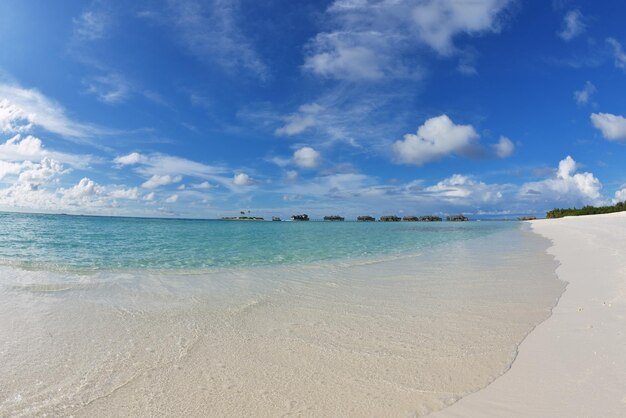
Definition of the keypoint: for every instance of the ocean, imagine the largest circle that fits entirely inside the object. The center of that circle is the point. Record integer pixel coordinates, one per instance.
(105, 316)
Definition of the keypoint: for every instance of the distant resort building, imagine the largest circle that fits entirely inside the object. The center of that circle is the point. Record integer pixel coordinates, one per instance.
(365, 218)
(430, 218)
(389, 218)
(242, 218)
(457, 218)
(526, 218)
(303, 217)
(334, 218)
(276, 219)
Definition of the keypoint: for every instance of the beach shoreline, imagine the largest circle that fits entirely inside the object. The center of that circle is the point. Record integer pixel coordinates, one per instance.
(572, 364)
(393, 336)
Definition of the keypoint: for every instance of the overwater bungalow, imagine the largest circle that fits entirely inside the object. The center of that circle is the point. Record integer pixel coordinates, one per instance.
(410, 219)
(430, 218)
(303, 217)
(276, 219)
(457, 218)
(389, 218)
(334, 218)
(365, 218)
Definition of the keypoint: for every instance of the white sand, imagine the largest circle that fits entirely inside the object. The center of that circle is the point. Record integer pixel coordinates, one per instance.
(573, 364)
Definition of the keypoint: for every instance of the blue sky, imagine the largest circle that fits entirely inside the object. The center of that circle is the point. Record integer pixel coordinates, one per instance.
(201, 108)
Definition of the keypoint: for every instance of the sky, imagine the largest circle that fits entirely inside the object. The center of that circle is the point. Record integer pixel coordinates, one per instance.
(205, 108)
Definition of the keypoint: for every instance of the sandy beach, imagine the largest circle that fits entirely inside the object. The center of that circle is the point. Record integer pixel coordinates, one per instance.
(573, 364)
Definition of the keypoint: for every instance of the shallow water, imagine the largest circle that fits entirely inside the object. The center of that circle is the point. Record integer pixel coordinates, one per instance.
(75, 243)
(404, 333)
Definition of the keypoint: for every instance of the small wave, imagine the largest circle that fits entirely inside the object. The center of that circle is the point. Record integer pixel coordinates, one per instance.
(54, 287)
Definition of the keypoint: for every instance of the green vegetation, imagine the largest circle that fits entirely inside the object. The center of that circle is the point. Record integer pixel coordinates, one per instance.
(586, 210)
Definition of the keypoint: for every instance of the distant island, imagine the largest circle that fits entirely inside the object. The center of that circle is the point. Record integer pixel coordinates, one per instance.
(586, 210)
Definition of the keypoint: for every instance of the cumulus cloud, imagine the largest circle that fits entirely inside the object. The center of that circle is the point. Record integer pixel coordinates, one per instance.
(620, 195)
(172, 199)
(20, 148)
(613, 127)
(436, 138)
(12, 118)
(159, 181)
(131, 193)
(371, 39)
(573, 25)
(242, 179)
(129, 159)
(504, 148)
(583, 96)
(205, 185)
(565, 186)
(306, 157)
(9, 168)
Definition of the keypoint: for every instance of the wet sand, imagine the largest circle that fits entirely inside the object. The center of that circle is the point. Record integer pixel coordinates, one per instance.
(574, 363)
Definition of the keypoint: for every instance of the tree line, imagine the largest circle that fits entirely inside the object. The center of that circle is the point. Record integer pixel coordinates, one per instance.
(586, 210)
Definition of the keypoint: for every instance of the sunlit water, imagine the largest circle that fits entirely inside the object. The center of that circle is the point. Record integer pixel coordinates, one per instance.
(148, 317)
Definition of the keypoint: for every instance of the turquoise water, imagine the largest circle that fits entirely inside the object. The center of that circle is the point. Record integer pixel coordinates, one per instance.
(59, 242)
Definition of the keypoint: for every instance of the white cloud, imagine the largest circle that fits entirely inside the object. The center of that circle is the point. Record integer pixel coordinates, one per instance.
(91, 25)
(620, 196)
(242, 179)
(371, 39)
(110, 88)
(172, 199)
(12, 118)
(19, 148)
(211, 31)
(40, 174)
(149, 197)
(85, 187)
(9, 168)
(573, 25)
(504, 148)
(291, 175)
(306, 157)
(466, 189)
(618, 53)
(439, 21)
(131, 193)
(566, 186)
(436, 138)
(130, 159)
(160, 165)
(21, 108)
(613, 127)
(301, 121)
(205, 185)
(583, 96)
(158, 181)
